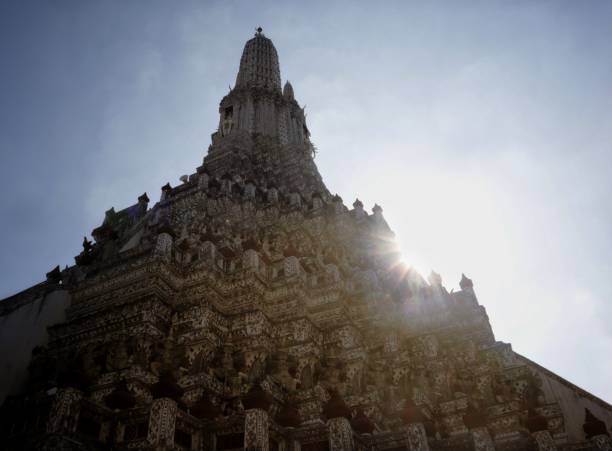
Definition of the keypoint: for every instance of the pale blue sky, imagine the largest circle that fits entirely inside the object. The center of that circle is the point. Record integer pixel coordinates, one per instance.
(483, 128)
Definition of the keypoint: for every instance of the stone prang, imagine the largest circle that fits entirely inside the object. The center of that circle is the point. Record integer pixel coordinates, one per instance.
(250, 308)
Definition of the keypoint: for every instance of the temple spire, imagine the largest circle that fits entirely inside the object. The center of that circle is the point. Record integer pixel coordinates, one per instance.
(259, 64)
(262, 133)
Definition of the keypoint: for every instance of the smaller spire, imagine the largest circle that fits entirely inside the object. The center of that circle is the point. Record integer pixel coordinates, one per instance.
(288, 91)
(465, 283)
(143, 198)
(259, 64)
(379, 219)
(435, 280)
(165, 191)
(55, 275)
(359, 212)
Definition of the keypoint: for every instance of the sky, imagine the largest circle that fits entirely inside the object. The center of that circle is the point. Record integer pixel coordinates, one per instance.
(483, 129)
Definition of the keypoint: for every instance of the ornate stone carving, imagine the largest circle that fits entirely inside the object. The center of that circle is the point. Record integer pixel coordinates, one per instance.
(482, 439)
(545, 441)
(163, 246)
(162, 422)
(65, 411)
(602, 442)
(256, 435)
(340, 434)
(416, 437)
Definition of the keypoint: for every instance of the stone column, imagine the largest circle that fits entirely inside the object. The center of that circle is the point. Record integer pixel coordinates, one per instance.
(293, 445)
(272, 195)
(106, 429)
(340, 434)
(333, 272)
(289, 445)
(203, 182)
(65, 410)
(417, 437)
(250, 260)
(545, 441)
(163, 246)
(291, 266)
(256, 425)
(209, 439)
(162, 421)
(482, 439)
(391, 343)
(249, 190)
(602, 442)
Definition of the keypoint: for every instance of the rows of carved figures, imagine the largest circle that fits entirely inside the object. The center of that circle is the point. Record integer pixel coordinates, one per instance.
(230, 296)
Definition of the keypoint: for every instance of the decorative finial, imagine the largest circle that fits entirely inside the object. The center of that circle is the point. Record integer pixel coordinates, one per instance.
(259, 30)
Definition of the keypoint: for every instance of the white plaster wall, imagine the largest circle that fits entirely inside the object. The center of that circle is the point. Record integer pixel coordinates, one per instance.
(21, 331)
(572, 404)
